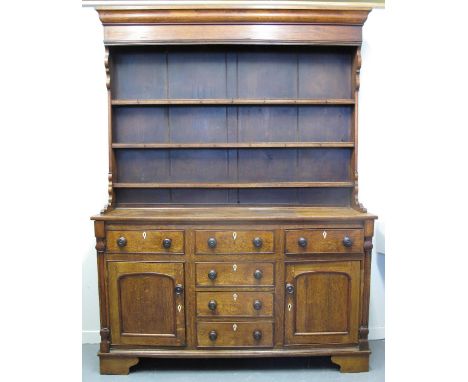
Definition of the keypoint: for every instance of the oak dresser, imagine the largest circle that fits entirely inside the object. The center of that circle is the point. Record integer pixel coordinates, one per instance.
(233, 226)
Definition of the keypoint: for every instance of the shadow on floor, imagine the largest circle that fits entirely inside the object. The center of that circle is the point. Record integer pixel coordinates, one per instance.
(319, 369)
(234, 364)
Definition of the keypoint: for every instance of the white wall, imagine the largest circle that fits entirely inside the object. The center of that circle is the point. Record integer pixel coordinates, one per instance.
(371, 177)
(95, 118)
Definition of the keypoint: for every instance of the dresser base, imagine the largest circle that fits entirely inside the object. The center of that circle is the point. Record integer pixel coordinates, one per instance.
(117, 365)
(118, 362)
(355, 363)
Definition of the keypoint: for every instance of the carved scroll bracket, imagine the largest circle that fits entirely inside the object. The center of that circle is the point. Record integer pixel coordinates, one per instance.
(357, 83)
(356, 204)
(110, 189)
(110, 192)
(358, 63)
(106, 65)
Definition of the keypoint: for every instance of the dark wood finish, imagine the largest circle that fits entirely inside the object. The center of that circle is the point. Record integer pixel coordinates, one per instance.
(230, 214)
(323, 304)
(130, 102)
(235, 334)
(145, 306)
(117, 365)
(146, 241)
(261, 197)
(233, 227)
(235, 353)
(323, 241)
(234, 185)
(100, 234)
(230, 145)
(235, 304)
(303, 34)
(224, 16)
(354, 363)
(234, 242)
(234, 274)
(365, 285)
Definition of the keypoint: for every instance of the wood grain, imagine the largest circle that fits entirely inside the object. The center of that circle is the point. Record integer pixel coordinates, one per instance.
(234, 242)
(233, 124)
(232, 145)
(324, 306)
(233, 185)
(149, 241)
(234, 274)
(235, 334)
(143, 304)
(117, 365)
(352, 363)
(224, 16)
(245, 353)
(230, 214)
(233, 34)
(235, 304)
(323, 241)
(218, 101)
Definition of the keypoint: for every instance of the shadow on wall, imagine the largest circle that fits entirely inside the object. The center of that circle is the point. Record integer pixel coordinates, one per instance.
(380, 248)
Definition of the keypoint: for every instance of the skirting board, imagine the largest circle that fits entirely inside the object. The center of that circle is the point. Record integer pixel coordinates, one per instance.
(92, 336)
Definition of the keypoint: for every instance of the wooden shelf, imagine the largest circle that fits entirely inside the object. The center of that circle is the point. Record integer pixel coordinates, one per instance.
(235, 185)
(232, 145)
(231, 101)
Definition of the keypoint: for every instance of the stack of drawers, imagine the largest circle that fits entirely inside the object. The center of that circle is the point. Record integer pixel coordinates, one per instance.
(234, 288)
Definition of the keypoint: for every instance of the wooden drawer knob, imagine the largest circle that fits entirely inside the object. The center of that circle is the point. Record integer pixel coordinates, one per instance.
(302, 242)
(212, 305)
(212, 274)
(257, 305)
(257, 335)
(213, 335)
(290, 288)
(212, 242)
(167, 243)
(257, 242)
(121, 242)
(347, 242)
(258, 274)
(179, 289)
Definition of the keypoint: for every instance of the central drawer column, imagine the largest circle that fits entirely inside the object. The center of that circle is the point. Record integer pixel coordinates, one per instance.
(235, 288)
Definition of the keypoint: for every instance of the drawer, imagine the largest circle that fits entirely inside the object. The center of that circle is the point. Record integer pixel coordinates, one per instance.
(235, 334)
(209, 242)
(235, 304)
(324, 241)
(234, 274)
(154, 241)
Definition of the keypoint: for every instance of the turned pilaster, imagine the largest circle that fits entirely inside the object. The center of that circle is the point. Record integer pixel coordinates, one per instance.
(99, 231)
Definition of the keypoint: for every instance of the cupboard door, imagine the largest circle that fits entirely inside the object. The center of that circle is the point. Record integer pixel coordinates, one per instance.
(322, 303)
(146, 303)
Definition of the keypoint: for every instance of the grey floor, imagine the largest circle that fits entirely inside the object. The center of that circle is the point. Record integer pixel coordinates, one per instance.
(243, 370)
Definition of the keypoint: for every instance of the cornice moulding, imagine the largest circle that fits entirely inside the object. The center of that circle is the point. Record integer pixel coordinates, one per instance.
(233, 4)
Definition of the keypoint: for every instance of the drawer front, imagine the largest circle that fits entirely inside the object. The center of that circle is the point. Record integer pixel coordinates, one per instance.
(148, 241)
(209, 242)
(234, 304)
(235, 334)
(234, 274)
(324, 241)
